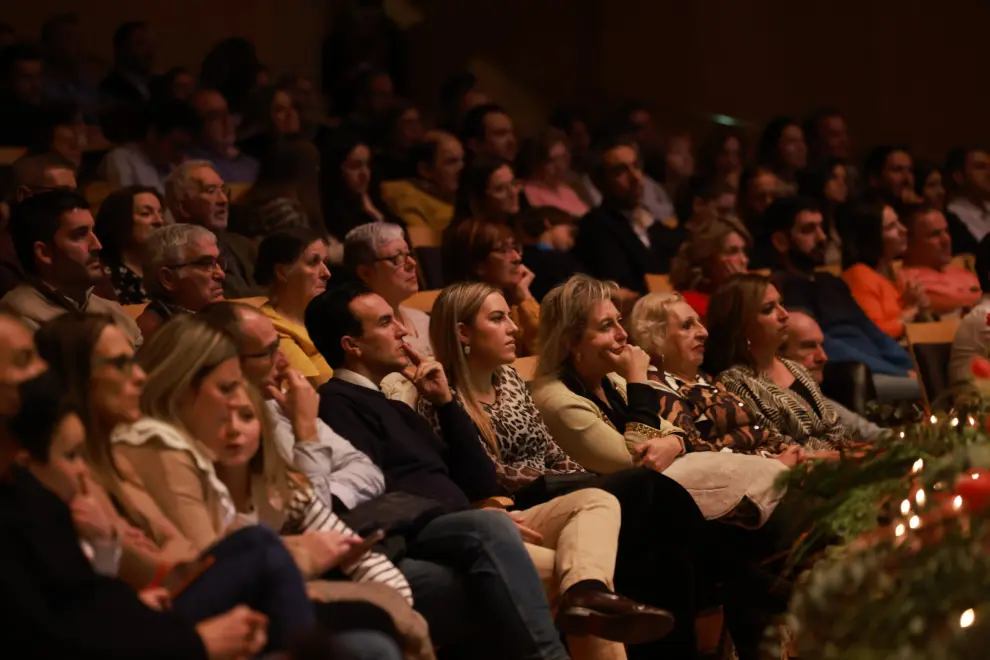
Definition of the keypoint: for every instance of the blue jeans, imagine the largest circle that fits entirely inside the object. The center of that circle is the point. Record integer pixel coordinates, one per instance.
(365, 645)
(253, 568)
(485, 575)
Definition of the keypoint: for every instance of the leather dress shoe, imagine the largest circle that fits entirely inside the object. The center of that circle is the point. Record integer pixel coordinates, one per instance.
(612, 617)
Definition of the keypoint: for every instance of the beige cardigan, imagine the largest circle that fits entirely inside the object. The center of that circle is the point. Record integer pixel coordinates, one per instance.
(584, 433)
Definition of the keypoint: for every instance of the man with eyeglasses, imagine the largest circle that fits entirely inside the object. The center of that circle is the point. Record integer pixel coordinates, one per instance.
(196, 194)
(183, 273)
(53, 237)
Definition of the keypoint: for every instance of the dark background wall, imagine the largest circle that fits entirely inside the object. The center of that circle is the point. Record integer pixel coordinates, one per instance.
(903, 70)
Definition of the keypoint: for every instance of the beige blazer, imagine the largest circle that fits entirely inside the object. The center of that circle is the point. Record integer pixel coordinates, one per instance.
(584, 433)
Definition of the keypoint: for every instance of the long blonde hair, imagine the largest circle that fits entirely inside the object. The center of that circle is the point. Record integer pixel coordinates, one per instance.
(691, 267)
(268, 463)
(460, 303)
(564, 318)
(177, 358)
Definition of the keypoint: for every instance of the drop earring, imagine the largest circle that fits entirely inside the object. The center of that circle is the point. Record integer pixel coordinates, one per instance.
(467, 350)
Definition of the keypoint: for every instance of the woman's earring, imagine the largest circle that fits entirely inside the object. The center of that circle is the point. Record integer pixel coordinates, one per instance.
(749, 346)
(467, 350)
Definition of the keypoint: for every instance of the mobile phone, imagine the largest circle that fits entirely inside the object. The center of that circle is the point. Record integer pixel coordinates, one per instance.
(362, 547)
(182, 575)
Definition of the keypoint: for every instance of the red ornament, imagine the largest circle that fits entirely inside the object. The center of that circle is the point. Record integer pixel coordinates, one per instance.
(974, 487)
(980, 367)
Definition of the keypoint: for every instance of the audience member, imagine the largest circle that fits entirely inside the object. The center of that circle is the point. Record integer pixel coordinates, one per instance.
(827, 136)
(927, 261)
(66, 77)
(795, 229)
(573, 123)
(286, 194)
(196, 194)
(124, 222)
(19, 362)
(805, 346)
(368, 101)
(293, 265)
(545, 165)
(747, 327)
(378, 255)
(357, 333)
(183, 273)
(875, 238)
(782, 149)
(133, 61)
(973, 337)
(621, 240)
(480, 251)
(889, 171)
(721, 157)
(459, 93)
(53, 237)
(678, 163)
(715, 250)
(970, 173)
(548, 237)
(700, 198)
(307, 103)
(349, 187)
(487, 190)
(426, 199)
(217, 140)
(402, 129)
(270, 113)
(930, 182)
(170, 129)
(233, 69)
(61, 132)
(827, 183)
(176, 84)
(21, 93)
(487, 129)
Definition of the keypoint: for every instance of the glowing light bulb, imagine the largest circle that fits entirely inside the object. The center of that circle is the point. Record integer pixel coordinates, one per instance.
(933, 419)
(957, 502)
(899, 530)
(902, 434)
(967, 618)
(971, 421)
(975, 476)
(914, 522)
(919, 497)
(905, 507)
(955, 422)
(918, 466)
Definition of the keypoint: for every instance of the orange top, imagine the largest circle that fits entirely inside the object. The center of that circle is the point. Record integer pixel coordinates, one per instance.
(951, 289)
(879, 297)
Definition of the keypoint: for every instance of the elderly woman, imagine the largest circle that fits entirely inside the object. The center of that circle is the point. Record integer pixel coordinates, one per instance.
(293, 265)
(713, 418)
(715, 250)
(747, 327)
(125, 220)
(183, 272)
(479, 250)
(378, 255)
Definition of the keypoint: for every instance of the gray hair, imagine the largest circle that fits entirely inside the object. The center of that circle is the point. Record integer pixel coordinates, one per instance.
(362, 244)
(648, 320)
(179, 183)
(167, 247)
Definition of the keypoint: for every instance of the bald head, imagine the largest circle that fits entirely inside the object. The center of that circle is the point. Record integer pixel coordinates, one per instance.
(805, 343)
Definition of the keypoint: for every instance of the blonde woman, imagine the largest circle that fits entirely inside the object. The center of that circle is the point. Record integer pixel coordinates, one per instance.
(474, 339)
(715, 250)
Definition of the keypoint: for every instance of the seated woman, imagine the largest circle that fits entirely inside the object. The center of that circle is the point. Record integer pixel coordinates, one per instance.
(487, 190)
(546, 168)
(747, 326)
(474, 339)
(125, 220)
(715, 250)
(292, 264)
(827, 184)
(427, 198)
(713, 419)
(480, 250)
(68, 616)
(548, 236)
(875, 238)
(378, 255)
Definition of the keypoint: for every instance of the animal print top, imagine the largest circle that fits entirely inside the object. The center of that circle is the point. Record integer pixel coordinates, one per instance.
(714, 418)
(526, 451)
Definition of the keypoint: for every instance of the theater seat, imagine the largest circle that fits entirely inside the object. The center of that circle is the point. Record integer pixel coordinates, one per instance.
(849, 383)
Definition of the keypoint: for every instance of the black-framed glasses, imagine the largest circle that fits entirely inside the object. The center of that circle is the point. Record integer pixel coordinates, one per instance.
(266, 354)
(397, 260)
(208, 264)
(122, 363)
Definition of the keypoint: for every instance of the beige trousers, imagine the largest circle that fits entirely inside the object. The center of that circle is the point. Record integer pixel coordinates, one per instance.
(580, 541)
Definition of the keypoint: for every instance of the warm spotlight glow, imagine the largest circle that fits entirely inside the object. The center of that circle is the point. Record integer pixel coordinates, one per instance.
(955, 422)
(967, 618)
(933, 419)
(957, 502)
(914, 522)
(905, 507)
(971, 421)
(919, 497)
(899, 530)
(918, 466)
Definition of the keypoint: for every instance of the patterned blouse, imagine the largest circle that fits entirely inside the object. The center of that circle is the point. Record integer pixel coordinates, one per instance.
(127, 284)
(526, 451)
(814, 425)
(713, 418)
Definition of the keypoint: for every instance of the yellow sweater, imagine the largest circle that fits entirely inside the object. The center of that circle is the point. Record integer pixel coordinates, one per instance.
(298, 348)
(415, 206)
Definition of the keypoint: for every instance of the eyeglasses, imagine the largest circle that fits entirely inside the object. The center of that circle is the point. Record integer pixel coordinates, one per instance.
(397, 260)
(122, 363)
(266, 354)
(213, 189)
(207, 265)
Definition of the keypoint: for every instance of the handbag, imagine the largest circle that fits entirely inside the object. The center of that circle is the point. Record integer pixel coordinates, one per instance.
(396, 513)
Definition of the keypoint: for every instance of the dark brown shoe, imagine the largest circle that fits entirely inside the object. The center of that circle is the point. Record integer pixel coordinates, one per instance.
(612, 617)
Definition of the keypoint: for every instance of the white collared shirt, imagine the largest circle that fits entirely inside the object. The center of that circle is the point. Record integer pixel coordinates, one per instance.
(355, 378)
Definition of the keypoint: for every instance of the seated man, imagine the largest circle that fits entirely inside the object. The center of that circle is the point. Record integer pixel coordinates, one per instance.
(794, 226)
(217, 139)
(53, 237)
(950, 289)
(442, 560)
(972, 338)
(183, 272)
(196, 194)
(805, 345)
(427, 200)
(358, 334)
